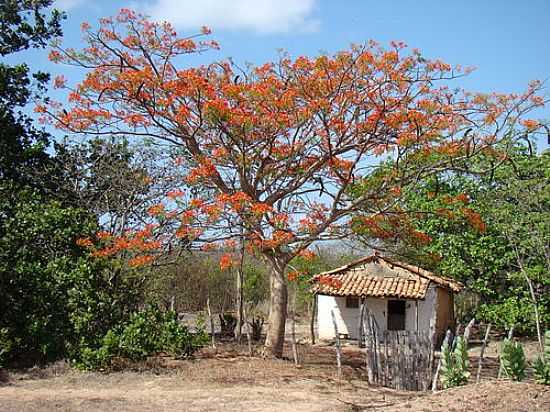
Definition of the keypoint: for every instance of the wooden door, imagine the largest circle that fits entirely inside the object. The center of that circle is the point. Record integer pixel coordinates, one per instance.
(396, 314)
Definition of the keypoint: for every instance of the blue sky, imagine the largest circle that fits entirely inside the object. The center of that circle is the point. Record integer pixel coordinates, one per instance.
(508, 41)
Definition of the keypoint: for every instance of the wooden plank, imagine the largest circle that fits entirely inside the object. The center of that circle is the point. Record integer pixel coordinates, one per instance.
(416, 314)
(468, 330)
(361, 319)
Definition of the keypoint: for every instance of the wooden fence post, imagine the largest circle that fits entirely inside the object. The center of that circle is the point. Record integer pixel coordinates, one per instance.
(361, 318)
(338, 349)
(468, 330)
(367, 328)
(312, 320)
(211, 319)
(482, 352)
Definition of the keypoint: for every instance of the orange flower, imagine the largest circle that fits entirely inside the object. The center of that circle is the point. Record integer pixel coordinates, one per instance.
(226, 261)
(530, 124)
(156, 210)
(293, 275)
(141, 260)
(260, 208)
(475, 220)
(103, 235)
(84, 242)
(307, 254)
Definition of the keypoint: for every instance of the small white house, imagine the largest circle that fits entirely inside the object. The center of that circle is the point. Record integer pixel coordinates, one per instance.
(398, 295)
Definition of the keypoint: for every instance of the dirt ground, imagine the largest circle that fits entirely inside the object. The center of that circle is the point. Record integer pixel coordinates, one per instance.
(228, 380)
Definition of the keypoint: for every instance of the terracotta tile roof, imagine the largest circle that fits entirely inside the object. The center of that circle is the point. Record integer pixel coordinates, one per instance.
(377, 276)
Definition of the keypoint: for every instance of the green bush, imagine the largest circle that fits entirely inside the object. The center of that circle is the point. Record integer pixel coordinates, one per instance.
(512, 360)
(515, 310)
(146, 333)
(541, 365)
(454, 364)
(39, 265)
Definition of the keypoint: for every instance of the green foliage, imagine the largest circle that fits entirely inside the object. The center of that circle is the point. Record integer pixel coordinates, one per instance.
(541, 365)
(256, 284)
(454, 363)
(146, 333)
(512, 359)
(24, 25)
(514, 310)
(489, 231)
(39, 266)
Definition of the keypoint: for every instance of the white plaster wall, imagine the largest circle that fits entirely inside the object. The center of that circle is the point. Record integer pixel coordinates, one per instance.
(347, 319)
(426, 308)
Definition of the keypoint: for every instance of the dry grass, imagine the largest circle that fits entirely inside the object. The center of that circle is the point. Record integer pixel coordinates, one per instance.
(228, 380)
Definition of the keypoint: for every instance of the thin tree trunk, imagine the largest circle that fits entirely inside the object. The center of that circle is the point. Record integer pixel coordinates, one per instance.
(248, 337)
(211, 319)
(293, 328)
(533, 296)
(275, 338)
(240, 293)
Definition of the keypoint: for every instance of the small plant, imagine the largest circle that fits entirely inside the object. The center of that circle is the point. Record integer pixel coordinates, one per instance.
(454, 364)
(6, 345)
(512, 360)
(228, 322)
(147, 333)
(541, 365)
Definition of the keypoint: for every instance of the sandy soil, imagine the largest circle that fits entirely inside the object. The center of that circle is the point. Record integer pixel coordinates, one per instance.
(227, 380)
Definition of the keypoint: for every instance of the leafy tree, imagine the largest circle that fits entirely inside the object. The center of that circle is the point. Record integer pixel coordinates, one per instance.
(116, 180)
(22, 155)
(488, 231)
(23, 24)
(277, 148)
(51, 293)
(38, 268)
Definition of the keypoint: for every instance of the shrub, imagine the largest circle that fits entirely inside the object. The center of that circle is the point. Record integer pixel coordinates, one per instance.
(146, 333)
(541, 365)
(512, 360)
(454, 364)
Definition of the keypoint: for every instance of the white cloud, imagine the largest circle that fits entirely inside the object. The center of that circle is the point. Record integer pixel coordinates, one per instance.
(263, 16)
(65, 5)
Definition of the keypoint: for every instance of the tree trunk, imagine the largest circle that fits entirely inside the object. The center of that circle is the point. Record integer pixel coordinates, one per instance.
(240, 293)
(275, 339)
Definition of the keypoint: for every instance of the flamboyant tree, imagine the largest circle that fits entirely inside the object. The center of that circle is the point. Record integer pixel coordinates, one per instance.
(276, 151)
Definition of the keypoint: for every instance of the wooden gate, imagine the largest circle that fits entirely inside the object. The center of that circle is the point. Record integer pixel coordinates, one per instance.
(397, 359)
